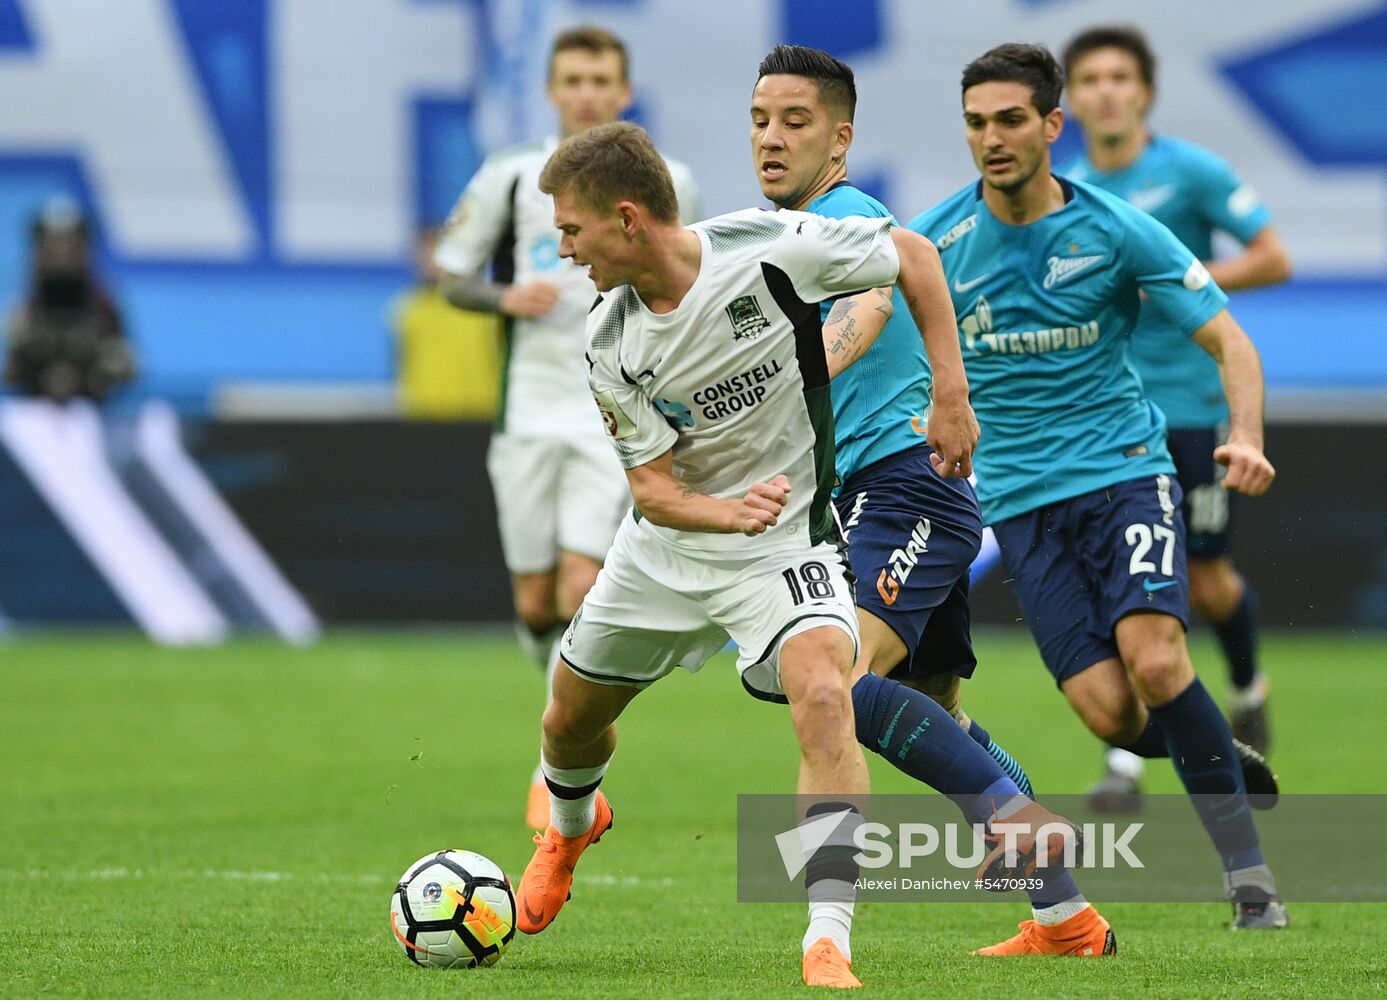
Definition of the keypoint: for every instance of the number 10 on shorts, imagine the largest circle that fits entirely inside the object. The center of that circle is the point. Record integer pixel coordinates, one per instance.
(1143, 538)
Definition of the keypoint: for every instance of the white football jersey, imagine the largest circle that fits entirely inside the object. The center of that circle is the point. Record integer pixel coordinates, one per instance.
(504, 216)
(734, 379)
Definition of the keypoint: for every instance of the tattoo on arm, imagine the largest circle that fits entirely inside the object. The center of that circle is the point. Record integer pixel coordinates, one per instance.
(843, 326)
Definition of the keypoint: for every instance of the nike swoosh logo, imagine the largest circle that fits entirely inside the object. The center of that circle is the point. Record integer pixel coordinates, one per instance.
(534, 918)
(885, 741)
(963, 286)
(1151, 588)
(1150, 199)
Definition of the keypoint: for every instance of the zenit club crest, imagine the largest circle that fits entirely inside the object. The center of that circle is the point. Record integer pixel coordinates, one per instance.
(747, 318)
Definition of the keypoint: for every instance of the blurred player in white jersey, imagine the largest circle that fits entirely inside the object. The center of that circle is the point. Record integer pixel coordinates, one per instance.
(707, 361)
(559, 492)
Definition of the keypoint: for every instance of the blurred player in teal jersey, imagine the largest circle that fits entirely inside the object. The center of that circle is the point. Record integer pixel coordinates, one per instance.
(1112, 78)
(911, 532)
(1074, 476)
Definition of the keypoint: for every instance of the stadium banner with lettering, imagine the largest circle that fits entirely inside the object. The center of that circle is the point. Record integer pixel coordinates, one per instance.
(256, 171)
(922, 849)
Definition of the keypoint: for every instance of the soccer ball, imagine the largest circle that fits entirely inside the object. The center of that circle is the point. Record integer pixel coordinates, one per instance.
(453, 910)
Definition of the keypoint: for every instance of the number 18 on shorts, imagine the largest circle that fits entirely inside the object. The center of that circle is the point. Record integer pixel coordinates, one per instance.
(656, 607)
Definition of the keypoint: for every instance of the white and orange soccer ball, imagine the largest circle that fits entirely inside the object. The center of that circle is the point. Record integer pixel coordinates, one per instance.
(453, 910)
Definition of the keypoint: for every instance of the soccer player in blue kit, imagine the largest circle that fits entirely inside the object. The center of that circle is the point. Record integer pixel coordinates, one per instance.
(1073, 471)
(1111, 75)
(911, 532)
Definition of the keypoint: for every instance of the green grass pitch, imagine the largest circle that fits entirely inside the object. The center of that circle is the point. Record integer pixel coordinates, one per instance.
(230, 822)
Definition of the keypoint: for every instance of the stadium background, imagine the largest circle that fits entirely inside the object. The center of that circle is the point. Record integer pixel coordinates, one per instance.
(257, 182)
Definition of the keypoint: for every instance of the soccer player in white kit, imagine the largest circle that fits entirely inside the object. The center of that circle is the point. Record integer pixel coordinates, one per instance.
(706, 359)
(559, 492)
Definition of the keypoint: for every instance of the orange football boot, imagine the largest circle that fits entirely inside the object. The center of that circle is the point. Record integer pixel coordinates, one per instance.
(1086, 934)
(537, 806)
(824, 965)
(544, 887)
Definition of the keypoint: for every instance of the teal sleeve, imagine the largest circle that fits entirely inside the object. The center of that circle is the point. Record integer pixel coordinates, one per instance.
(1176, 283)
(1227, 203)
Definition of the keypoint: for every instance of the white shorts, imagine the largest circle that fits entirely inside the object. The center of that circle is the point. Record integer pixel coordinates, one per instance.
(653, 609)
(555, 493)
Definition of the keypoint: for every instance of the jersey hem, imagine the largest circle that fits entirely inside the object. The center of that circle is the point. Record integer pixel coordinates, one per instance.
(996, 512)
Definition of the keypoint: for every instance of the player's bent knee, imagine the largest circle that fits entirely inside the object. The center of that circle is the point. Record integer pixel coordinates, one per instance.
(1215, 587)
(1159, 671)
(1115, 728)
(822, 715)
(1102, 697)
(533, 595)
(570, 723)
(576, 576)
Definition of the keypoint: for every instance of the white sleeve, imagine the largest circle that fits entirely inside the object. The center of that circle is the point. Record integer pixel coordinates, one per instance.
(828, 257)
(469, 237)
(686, 191)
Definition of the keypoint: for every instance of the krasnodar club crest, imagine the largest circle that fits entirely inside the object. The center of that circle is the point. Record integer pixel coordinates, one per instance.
(747, 318)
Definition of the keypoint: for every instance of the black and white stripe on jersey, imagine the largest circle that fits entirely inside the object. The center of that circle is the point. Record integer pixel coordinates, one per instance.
(607, 335)
(813, 368)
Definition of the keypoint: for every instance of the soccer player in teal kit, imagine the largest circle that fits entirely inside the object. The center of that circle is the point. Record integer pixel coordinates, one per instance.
(1073, 471)
(1111, 75)
(911, 532)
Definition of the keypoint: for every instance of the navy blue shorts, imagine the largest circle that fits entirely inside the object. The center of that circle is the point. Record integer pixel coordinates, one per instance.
(911, 537)
(1208, 506)
(1081, 565)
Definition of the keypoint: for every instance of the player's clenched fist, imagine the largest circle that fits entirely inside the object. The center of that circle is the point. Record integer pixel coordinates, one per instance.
(761, 506)
(1248, 469)
(953, 434)
(530, 300)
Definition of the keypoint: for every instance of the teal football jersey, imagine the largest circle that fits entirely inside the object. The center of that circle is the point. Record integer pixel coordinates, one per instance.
(1194, 194)
(879, 401)
(1046, 313)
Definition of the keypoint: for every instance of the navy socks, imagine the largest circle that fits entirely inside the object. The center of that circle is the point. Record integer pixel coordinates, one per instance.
(1201, 748)
(1237, 634)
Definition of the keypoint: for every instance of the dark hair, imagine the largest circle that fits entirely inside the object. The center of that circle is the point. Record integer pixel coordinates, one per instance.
(593, 40)
(833, 76)
(1113, 36)
(1017, 62)
(609, 163)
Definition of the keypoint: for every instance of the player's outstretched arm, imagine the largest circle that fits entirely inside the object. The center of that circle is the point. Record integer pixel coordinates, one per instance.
(953, 430)
(664, 499)
(1241, 371)
(853, 325)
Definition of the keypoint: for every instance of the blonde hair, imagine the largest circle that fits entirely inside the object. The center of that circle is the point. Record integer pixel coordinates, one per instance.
(612, 163)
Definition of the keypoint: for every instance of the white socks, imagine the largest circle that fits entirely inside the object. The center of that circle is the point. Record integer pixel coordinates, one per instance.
(573, 817)
(1125, 763)
(832, 920)
(1060, 912)
(1250, 697)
